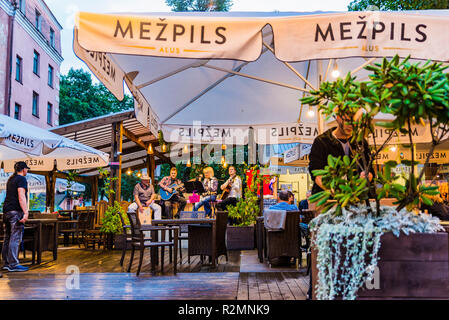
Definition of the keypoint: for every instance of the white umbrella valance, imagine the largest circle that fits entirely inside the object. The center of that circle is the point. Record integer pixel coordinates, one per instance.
(36, 183)
(297, 36)
(40, 149)
(236, 70)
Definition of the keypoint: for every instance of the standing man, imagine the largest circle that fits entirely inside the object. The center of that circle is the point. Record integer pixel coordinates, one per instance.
(165, 184)
(210, 185)
(335, 142)
(234, 185)
(144, 196)
(15, 215)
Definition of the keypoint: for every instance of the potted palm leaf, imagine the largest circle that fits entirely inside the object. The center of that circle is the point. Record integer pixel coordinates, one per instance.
(363, 249)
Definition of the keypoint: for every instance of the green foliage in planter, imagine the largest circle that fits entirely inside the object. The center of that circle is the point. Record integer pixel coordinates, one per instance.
(111, 222)
(246, 210)
(343, 184)
(412, 94)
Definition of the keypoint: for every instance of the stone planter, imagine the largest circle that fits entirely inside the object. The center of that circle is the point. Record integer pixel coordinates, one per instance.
(410, 267)
(240, 238)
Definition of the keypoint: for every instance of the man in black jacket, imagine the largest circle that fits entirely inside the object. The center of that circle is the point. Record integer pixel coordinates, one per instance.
(335, 142)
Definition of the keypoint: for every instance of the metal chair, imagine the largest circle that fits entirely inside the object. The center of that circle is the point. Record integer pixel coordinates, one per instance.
(139, 242)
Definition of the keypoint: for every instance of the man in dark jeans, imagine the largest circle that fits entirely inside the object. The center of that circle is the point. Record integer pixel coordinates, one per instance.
(335, 142)
(15, 214)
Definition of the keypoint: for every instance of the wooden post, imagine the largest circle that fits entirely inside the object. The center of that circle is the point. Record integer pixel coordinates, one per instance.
(50, 182)
(94, 185)
(116, 156)
(151, 165)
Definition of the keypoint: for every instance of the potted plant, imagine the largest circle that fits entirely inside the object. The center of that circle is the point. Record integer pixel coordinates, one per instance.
(357, 240)
(112, 224)
(240, 236)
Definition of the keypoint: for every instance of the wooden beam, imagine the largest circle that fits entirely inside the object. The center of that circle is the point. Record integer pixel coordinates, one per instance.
(93, 123)
(50, 182)
(95, 190)
(131, 136)
(116, 156)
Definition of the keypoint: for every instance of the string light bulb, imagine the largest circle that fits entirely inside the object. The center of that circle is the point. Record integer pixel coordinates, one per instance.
(393, 149)
(188, 164)
(310, 113)
(128, 172)
(225, 164)
(150, 149)
(223, 147)
(164, 148)
(335, 73)
(139, 174)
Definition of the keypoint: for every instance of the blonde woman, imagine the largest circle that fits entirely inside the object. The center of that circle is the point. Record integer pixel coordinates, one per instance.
(210, 185)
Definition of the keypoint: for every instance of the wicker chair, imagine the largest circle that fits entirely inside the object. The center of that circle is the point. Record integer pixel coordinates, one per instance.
(284, 243)
(183, 230)
(92, 235)
(138, 241)
(79, 226)
(200, 238)
(304, 237)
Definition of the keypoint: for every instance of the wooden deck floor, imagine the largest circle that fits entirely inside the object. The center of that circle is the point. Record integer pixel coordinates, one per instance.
(101, 277)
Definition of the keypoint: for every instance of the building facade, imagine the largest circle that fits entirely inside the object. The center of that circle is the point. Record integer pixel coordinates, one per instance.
(30, 60)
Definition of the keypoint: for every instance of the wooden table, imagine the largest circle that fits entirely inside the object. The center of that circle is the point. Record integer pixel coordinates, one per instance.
(178, 222)
(45, 245)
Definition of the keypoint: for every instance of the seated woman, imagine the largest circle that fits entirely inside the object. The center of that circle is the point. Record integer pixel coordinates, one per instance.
(210, 184)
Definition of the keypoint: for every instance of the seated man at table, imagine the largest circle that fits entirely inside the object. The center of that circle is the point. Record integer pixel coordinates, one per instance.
(283, 203)
(144, 196)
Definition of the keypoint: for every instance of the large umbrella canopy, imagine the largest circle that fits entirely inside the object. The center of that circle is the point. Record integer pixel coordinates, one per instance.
(209, 77)
(39, 148)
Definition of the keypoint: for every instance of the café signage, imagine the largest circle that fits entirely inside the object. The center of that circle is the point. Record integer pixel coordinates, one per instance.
(35, 164)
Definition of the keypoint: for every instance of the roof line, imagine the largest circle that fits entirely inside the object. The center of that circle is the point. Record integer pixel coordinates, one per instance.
(94, 122)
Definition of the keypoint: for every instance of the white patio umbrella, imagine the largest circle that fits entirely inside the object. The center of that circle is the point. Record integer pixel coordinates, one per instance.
(36, 183)
(210, 76)
(39, 148)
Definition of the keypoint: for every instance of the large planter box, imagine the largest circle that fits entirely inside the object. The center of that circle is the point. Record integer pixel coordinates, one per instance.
(410, 267)
(240, 238)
